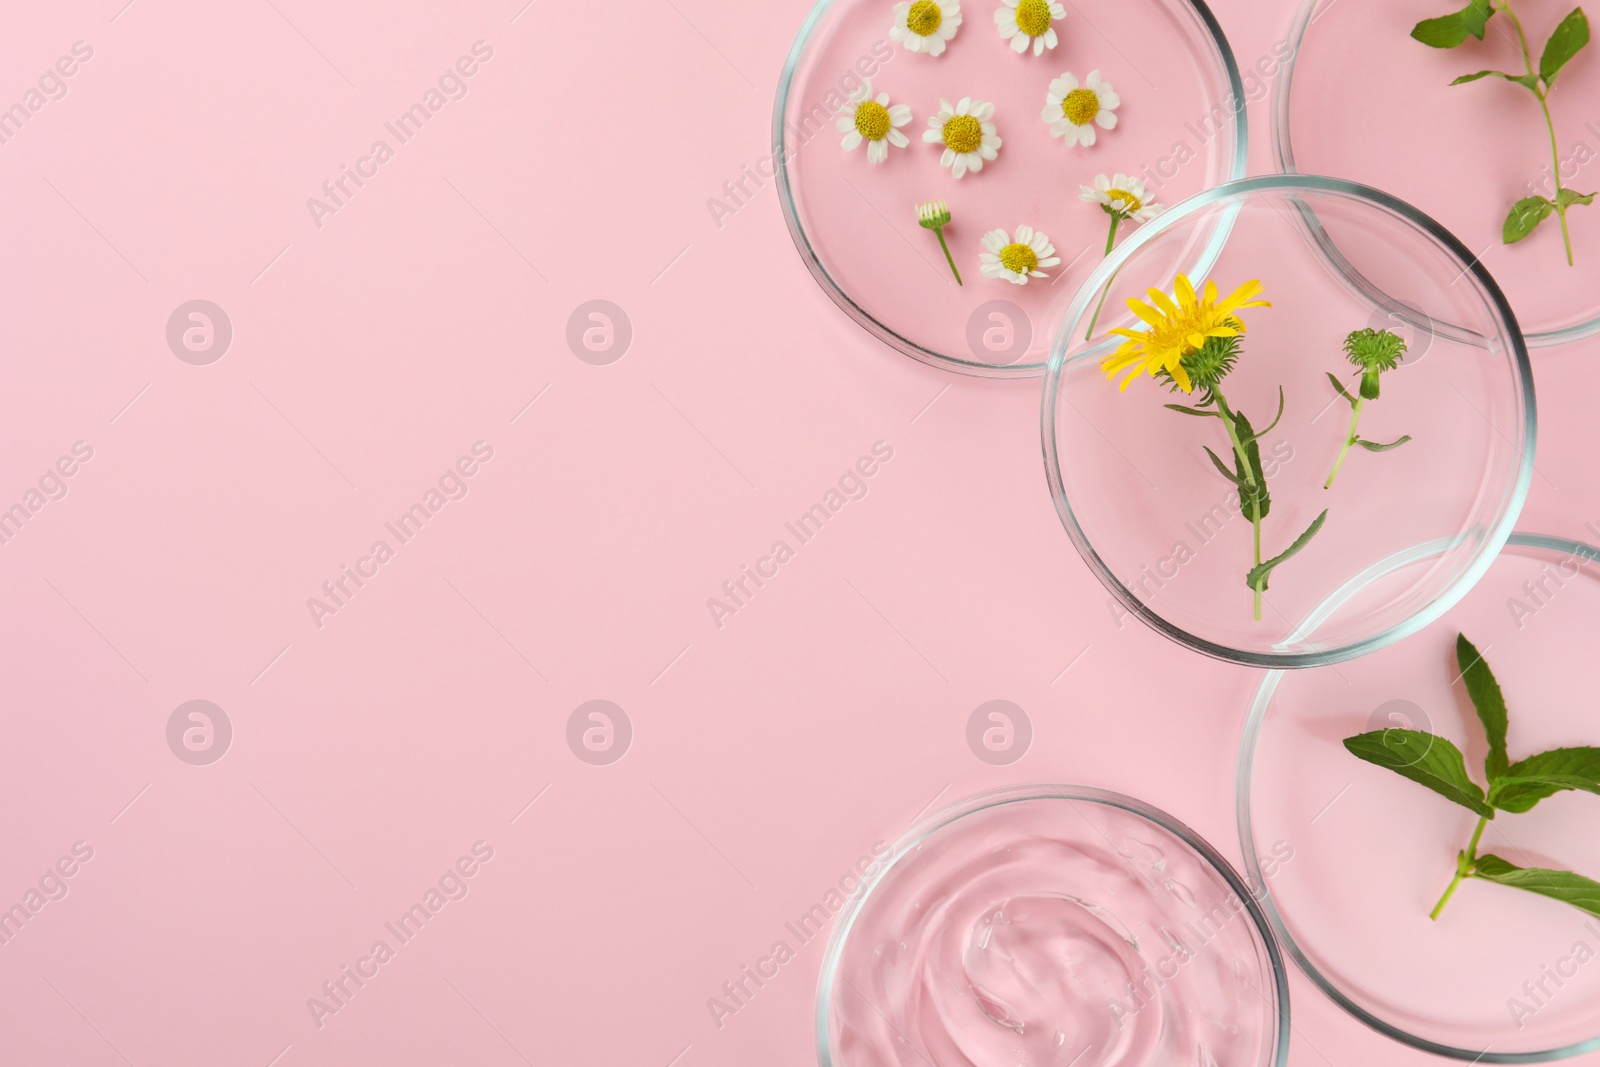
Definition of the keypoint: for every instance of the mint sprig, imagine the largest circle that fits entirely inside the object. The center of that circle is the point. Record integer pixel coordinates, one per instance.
(1565, 42)
(1435, 762)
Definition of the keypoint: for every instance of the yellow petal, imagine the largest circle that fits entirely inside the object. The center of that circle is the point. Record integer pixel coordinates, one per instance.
(1211, 291)
(1184, 289)
(1145, 311)
(1164, 302)
(1180, 376)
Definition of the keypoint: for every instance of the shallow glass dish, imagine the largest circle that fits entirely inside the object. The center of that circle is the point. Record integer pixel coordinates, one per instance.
(1357, 98)
(1162, 528)
(1051, 926)
(1180, 129)
(1503, 976)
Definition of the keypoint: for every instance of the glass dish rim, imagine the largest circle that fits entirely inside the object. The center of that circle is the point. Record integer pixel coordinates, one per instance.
(992, 798)
(1243, 779)
(974, 368)
(1150, 231)
(1283, 156)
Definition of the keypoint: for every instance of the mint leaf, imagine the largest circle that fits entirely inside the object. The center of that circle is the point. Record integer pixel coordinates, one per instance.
(1475, 16)
(1527, 81)
(1373, 446)
(1340, 389)
(1425, 759)
(1529, 781)
(1258, 575)
(1446, 31)
(1490, 704)
(1564, 43)
(1567, 197)
(1582, 893)
(1525, 214)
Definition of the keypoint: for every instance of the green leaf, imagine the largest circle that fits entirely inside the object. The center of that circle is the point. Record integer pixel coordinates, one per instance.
(1485, 694)
(1476, 17)
(1373, 446)
(1525, 215)
(1527, 81)
(1529, 781)
(1564, 43)
(1258, 575)
(1567, 197)
(1226, 473)
(1582, 893)
(1446, 31)
(1254, 500)
(1253, 438)
(1425, 759)
(1192, 411)
(1340, 389)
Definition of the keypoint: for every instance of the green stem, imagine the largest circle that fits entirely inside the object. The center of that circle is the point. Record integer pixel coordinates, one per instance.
(1465, 863)
(947, 257)
(1549, 125)
(1249, 477)
(1349, 439)
(1110, 242)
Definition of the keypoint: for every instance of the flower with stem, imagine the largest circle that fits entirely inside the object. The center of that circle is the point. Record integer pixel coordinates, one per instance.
(1372, 352)
(1568, 38)
(935, 216)
(1191, 342)
(875, 121)
(1017, 261)
(1125, 199)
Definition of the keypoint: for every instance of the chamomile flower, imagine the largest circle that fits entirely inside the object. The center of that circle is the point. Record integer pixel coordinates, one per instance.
(1017, 261)
(967, 133)
(925, 25)
(1073, 111)
(1122, 197)
(874, 121)
(1025, 22)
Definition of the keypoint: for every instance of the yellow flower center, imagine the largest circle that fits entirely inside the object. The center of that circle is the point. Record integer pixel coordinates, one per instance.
(872, 120)
(1033, 17)
(963, 133)
(1081, 106)
(1018, 258)
(1130, 203)
(924, 17)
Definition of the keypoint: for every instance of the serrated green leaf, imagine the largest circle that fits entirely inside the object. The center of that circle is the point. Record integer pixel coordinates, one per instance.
(1446, 31)
(1254, 500)
(1565, 42)
(1529, 781)
(1263, 570)
(1339, 388)
(1569, 888)
(1567, 197)
(1192, 411)
(1487, 699)
(1525, 214)
(1425, 759)
(1373, 446)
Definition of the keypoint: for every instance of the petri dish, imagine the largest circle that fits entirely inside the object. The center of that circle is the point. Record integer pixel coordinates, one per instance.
(1051, 925)
(1165, 531)
(1358, 98)
(1503, 975)
(1180, 129)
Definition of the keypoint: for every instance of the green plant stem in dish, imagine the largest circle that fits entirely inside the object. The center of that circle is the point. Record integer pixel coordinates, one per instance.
(1371, 352)
(1565, 41)
(1436, 762)
(1111, 240)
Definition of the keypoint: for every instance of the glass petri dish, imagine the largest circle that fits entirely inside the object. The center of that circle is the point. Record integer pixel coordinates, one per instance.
(1164, 531)
(1181, 129)
(1500, 977)
(1051, 925)
(1357, 98)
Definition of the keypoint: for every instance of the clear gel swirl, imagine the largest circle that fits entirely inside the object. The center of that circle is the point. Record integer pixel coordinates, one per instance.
(1053, 933)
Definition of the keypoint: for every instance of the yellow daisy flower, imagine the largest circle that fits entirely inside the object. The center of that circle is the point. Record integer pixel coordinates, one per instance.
(1175, 328)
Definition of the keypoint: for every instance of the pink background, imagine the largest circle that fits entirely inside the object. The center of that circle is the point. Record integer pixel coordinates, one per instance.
(429, 712)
